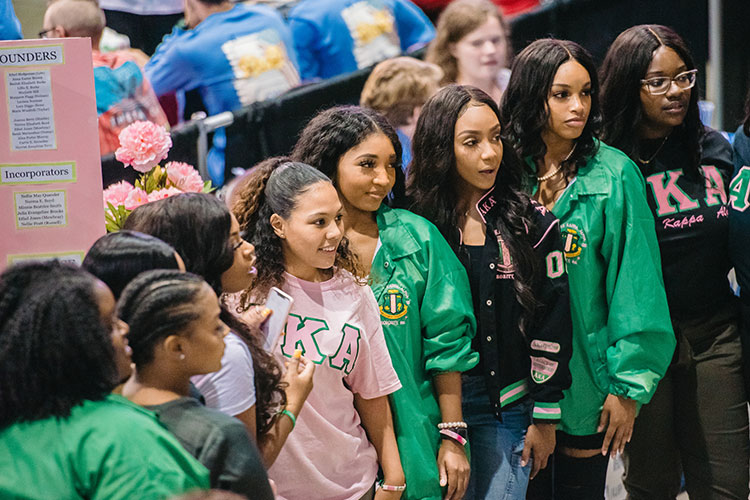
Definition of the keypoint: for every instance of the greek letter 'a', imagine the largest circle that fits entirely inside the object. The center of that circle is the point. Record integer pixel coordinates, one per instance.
(302, 333)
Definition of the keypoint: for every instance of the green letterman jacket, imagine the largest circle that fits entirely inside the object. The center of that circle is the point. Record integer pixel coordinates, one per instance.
(622, 333)
(428, 320)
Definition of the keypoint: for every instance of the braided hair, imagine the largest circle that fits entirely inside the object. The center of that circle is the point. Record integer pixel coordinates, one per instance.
(157, 304)
(55, 349)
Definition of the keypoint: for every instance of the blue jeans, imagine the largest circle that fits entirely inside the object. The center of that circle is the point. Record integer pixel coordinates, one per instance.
(496, 447)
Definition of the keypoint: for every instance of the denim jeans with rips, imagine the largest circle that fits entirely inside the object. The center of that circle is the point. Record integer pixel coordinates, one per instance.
(496, 447)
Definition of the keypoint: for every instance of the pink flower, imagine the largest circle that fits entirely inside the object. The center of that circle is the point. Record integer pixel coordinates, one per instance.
(117, 193)
(184, 177)
(143, 145)
(136, 198)
(161, 194)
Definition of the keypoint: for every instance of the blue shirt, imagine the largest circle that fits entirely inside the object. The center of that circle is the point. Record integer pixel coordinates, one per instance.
(739, 235)
(405, 150)
(340, 36)
(739, 215)
(234, 58)
(10, 27)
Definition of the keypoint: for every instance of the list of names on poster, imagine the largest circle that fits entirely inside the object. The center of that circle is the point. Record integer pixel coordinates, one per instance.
(32, 121)
(40, 209)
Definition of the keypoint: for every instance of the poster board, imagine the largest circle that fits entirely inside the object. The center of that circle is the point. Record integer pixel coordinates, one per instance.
(50, 169)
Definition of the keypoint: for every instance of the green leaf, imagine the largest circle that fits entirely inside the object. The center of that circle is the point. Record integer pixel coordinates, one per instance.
(114, 217)
(208, 187)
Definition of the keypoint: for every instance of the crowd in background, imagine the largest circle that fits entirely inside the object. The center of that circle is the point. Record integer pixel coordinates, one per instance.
(503, 269)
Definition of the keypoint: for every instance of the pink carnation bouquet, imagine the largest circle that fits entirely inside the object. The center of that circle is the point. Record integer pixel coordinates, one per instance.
(143, 145)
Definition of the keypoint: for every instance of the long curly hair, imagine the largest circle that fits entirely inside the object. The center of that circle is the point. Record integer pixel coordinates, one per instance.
(273, 187)
(625, 65)
(460, 18)
(198, 226)
(433, 186)
(524, 111)
(55, 350)
(333, 132)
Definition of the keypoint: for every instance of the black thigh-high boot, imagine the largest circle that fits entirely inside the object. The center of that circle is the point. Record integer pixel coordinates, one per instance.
(580, 478)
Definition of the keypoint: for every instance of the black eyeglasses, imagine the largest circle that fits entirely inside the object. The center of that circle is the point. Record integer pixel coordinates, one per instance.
(43, 33)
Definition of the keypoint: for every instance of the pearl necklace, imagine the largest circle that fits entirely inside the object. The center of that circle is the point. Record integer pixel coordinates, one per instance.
(547, 177)
(550, 175)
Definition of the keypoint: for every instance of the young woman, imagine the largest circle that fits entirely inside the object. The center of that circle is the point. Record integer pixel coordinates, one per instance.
(62, 434)
(741, 143)
(421, 289)
(247, 386)
(622, 337)
(463, 182)
(697, 421)
(739, 230)
(176, 333)
(117, 258)
(345, 427)
(472, 46)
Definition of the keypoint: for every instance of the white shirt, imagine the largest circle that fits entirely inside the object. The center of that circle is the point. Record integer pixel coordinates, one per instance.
(231, 390)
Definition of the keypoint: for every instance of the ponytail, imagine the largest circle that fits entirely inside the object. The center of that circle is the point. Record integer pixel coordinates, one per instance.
(272, 187)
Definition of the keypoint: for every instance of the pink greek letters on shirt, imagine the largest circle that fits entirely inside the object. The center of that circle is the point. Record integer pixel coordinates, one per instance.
(665, 189)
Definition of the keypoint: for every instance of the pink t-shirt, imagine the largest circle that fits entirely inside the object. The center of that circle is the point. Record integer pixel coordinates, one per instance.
(336, 324)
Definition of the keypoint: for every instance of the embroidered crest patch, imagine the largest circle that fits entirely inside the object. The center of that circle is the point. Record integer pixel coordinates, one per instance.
(574, 242)
(395, 303)
(542, 369)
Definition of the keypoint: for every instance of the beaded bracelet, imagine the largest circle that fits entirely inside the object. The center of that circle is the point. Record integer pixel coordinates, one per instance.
(454, 436)
(290, 415)
(390, 487)
(452, 425)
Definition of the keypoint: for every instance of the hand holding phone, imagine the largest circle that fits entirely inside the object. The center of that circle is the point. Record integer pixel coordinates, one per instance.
(280, 303)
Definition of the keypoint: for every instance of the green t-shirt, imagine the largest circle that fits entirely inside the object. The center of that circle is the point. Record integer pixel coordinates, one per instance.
(108, 449)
